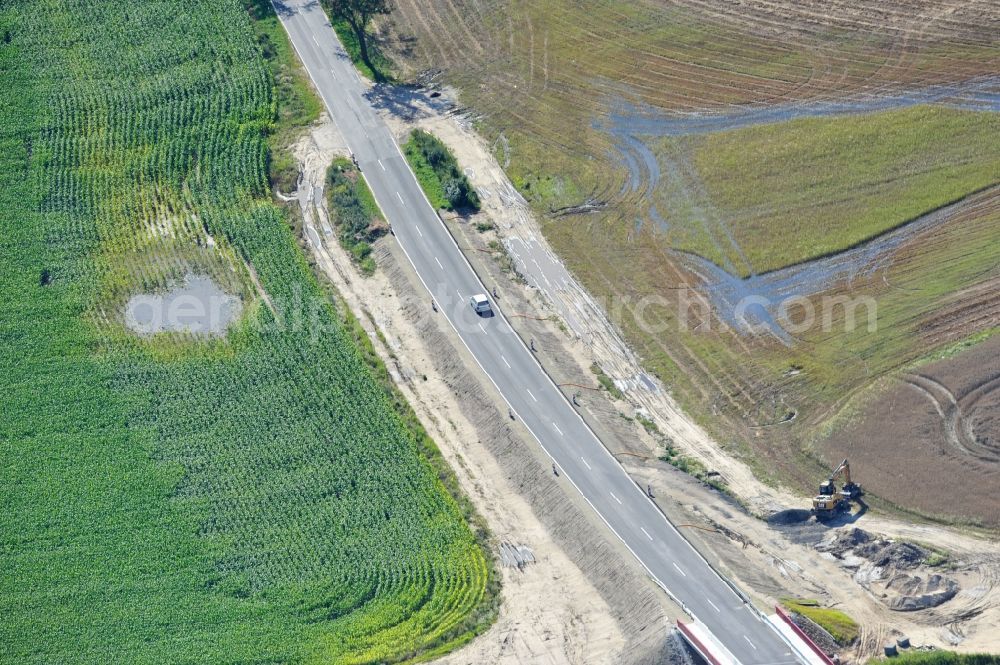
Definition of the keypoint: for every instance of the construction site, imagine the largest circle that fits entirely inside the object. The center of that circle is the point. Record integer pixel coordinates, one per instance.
(506, 332)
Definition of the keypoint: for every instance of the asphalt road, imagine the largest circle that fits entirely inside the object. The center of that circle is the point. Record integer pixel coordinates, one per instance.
(580, 457)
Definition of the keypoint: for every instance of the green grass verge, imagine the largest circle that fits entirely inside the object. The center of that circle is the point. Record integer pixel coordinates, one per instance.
(689, 465)
(426, 177)
(938, 658)
(606, 382)
(843, 628)
(355, 214)
(438, 172)
(797, 190)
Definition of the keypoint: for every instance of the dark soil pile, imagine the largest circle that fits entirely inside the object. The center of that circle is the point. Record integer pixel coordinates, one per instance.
(888, 553)
(847, 540)
(890, 569)
(914, 592)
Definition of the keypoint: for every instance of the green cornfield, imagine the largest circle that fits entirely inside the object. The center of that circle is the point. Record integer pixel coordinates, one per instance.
(255, 497)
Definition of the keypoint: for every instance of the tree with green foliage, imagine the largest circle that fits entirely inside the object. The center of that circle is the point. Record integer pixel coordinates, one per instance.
(358, 13)
(434, 163)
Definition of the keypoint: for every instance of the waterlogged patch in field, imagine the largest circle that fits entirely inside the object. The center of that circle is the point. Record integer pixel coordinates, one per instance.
(791, 192)
(197, 306)
(262, 498)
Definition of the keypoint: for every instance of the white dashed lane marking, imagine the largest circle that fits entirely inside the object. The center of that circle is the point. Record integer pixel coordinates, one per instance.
(615, 498)
(750, 643)
(679, 570)
(532, 395)
(713, 605)
(557, 429)
(399, 197)
(439, 263)
(585, 464)
(505, 362)
(646, 532)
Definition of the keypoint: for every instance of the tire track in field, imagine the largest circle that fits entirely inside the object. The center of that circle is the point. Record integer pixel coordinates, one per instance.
(954, 411)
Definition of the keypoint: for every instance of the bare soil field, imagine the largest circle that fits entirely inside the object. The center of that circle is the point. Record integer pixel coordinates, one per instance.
(932, 439)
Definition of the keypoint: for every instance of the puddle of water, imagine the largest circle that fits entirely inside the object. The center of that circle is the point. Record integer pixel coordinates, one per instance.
(770, 289)
(196, 306)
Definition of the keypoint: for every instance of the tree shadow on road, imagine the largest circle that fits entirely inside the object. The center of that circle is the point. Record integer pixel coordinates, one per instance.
(408, 102)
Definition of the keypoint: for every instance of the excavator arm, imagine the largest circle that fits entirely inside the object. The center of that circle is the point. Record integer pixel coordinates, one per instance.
(845, 469)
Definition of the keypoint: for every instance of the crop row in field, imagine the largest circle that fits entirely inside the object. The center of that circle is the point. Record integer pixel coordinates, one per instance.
(257, 498)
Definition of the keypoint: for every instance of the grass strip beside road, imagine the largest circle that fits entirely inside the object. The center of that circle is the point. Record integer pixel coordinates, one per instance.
(357, 217)
(382, 70)
(843, 628)
(938, 658)
(297, 106)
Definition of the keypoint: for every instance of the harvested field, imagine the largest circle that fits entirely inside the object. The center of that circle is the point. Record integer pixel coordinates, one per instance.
(546, 83)
(932, 440)
(544, 72)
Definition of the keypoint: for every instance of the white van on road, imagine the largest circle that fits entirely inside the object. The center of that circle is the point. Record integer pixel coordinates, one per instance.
(481, 304)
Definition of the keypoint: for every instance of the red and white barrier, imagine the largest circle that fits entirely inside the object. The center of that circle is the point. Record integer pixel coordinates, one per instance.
(702, 641)
(801, 642)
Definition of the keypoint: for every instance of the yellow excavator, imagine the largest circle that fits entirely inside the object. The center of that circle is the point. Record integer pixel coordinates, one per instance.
(829, 501)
